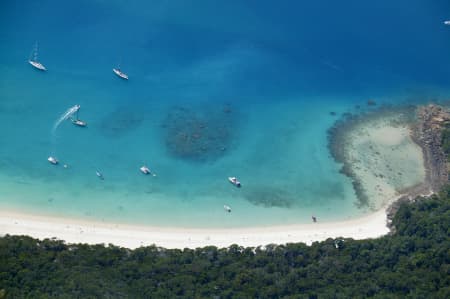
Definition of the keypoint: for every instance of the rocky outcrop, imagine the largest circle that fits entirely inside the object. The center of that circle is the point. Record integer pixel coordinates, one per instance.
(426, 132)
(431, 120)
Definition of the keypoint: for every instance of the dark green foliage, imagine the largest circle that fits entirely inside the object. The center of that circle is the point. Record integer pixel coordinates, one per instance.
(413, 263)
(445, 141)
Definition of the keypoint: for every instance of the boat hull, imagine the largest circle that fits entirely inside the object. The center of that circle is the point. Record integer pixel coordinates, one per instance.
(52, 160)
(37, 65)
(79, 123)
(120, 74)
(234, 181)
(144, 170)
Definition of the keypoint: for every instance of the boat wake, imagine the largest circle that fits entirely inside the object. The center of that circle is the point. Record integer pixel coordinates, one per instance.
(71, 111)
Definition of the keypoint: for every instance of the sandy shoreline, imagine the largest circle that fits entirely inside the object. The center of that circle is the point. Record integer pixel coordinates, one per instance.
(77, 231)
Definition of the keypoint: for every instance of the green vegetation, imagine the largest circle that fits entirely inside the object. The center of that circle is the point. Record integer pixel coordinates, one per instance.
(412, 263)
(445, 141)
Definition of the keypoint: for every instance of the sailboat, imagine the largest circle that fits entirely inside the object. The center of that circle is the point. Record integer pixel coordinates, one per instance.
(34, 59)
(77, 121)
(119, 73)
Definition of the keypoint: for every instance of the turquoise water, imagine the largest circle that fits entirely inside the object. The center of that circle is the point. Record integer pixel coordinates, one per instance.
(261, 81)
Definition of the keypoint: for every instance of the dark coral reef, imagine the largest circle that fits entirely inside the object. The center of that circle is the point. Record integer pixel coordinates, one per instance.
(269, 197)
(200, 134)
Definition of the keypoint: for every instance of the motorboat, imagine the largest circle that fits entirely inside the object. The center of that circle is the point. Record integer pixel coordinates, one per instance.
(447, 22)
(145, 170)
(121, 74)
(235, 181)
(53, 160)
(227, 208)
(34, 59)
(79, 122)
(100, 175)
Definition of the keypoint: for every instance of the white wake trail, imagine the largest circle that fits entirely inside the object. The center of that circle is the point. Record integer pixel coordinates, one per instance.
(71, 111)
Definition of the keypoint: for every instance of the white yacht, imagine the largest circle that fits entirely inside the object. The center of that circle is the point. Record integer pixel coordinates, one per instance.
(234, 181)
(121, 74)
(145, 170)
(53, 160)
(79, 122)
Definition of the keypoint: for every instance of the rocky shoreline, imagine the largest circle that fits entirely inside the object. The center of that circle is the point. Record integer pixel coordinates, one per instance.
(426, 124)
(426, 132)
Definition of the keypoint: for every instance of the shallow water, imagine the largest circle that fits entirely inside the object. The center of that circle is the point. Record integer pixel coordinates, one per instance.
(261, 81)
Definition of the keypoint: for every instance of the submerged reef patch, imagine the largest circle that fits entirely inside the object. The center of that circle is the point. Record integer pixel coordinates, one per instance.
(121, 121)
(204, 133)
(269, 197)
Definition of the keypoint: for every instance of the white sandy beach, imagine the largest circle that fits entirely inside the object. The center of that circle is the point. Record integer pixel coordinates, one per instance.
(77, 231)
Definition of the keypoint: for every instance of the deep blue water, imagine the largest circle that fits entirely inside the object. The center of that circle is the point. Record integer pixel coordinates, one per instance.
(281, 67)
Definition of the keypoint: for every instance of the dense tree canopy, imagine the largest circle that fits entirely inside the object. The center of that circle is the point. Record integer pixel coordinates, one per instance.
(412, 263)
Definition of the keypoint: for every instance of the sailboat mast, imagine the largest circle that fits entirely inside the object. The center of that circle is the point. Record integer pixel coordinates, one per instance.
(35, 56)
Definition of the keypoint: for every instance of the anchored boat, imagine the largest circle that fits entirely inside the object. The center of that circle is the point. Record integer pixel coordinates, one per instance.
(119, 73)
(234, 181)
(53, 160)
(145, 170)
(77, 121)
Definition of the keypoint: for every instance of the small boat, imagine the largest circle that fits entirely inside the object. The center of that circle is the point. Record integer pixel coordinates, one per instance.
(34, 59)
(79, 122)
(227, 208)
(53, 160)
(100, 175)
(447, 22)
(235, 182)
(121, 74)
(145, 170)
